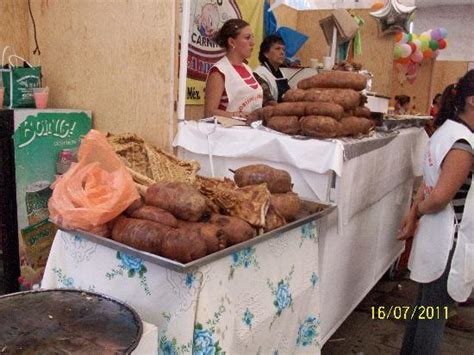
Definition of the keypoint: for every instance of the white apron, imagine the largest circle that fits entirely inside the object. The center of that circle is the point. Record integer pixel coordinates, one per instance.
(242, 98)
(267, 75)
(434, 238)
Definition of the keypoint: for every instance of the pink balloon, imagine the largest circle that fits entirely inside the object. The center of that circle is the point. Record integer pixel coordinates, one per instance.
(411, 68)
(435, 53)
(417, 57)
(436, 34)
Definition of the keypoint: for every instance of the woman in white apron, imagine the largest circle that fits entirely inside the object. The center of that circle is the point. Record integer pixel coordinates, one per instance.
(268, 74)
(443, 266)
(231, 89)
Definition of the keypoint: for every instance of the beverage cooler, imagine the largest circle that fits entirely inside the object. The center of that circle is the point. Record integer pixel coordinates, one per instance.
(35, 147)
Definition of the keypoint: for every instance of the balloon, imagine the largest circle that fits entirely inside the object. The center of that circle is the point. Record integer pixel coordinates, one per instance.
(434, 44)
(397, 52)
(417, 43)
(436, 34)
(412, 46)
(414, 36)
(405, 50)
(417, 57)
(410, 37)
(398, 36)
(424, 45)
(377, 5)
(425, 37)
(428, 53)
(444, 32)
(435, 53)
(442, 43)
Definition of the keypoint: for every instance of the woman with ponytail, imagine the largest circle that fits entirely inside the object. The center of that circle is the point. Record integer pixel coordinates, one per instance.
(443, 245)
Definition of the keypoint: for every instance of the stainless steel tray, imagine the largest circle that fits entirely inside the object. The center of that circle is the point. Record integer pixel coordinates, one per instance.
(177, 266)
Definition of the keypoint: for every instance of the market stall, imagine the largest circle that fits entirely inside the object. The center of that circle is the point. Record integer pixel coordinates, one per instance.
(370, 180)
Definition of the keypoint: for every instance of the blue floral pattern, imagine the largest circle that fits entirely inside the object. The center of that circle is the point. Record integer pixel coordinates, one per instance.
(204, 342)
(282, 294)
(133, 266)
(248, 318)
(189, 279)
(171, 347)
(314, 279)
(308, 332)
(309, 232)
(67, 282)
(244, 258)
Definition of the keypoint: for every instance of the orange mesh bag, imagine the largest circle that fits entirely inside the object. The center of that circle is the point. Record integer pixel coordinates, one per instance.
(95, 190)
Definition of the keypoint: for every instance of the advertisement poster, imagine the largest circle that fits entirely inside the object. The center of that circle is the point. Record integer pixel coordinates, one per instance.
(40, 136)
(207, 17)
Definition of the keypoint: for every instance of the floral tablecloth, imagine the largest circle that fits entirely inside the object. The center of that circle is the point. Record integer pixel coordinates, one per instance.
(263, 299)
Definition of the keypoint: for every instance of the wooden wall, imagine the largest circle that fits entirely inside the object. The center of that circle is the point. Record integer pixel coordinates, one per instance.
(115, 58)
(376, 50)
(14, 20)
(445, 73)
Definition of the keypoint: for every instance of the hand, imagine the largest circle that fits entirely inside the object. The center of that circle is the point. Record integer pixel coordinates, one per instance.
(408, 226)
(241, 114)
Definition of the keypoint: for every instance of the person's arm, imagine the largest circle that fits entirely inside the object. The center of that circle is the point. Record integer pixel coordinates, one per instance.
(268, 99)
(454, 172)
(409, 222)
(214, 89)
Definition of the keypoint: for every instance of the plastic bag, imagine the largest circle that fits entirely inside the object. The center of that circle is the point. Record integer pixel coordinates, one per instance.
(95, 190)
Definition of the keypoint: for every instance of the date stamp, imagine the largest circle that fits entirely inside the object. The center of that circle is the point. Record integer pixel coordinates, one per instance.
(409, 312)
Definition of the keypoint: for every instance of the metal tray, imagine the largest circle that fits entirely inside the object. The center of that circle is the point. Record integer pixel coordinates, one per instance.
(327, 208)
(64, 321)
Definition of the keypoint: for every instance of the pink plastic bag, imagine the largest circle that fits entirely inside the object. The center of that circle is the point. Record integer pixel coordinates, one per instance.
(95, 190)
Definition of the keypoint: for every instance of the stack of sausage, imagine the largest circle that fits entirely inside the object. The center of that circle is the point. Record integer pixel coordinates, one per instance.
(177, 221)
(326, 105)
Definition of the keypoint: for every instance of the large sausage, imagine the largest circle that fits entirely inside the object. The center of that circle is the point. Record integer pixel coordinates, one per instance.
(287, 204)
(335, 79)
(212, 235)
(141, 234)
(352, 126)
(181, 199)
(324, 109)
(155, 214)
(293, 95)
(183, 247)
(289, 109)
(320, 126)
(347, 98)
(362, 111)
(284, 124)
(235, 230)
(277, 180)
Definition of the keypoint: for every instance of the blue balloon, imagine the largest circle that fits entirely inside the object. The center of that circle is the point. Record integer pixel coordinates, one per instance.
(443, 31)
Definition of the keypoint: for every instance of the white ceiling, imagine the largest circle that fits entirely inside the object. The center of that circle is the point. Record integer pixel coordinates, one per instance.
(429, 3)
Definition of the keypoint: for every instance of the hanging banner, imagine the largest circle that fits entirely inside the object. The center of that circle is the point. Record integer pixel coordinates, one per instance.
(207, 17)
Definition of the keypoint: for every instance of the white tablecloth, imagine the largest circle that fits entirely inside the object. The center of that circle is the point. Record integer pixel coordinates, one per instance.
(148, 341)
(262, 299)
(372, 191)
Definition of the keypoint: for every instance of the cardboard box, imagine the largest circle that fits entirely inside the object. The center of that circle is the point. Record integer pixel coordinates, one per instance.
(345, 24)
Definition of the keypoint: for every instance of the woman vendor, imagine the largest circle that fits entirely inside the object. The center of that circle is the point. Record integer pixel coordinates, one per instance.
(268, 74)
(231, 88)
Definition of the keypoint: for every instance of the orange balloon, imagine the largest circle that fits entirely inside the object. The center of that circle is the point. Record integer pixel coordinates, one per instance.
(403, 60)
(398, 36)
(428, 53)
(377, 5)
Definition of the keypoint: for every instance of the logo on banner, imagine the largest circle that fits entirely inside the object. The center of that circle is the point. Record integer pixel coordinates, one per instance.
(207, 17)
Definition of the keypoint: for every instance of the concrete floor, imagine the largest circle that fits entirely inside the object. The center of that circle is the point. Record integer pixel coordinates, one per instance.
(360, 334)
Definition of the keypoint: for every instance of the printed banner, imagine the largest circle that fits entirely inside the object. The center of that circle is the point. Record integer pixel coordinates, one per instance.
(207, 16)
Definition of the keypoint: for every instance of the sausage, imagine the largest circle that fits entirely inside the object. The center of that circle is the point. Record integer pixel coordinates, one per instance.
(155, 214)
(183, 247)
(352, 126)
(334, 79)
(324, 109)
(347, 98)
(293, 95)
(133, 206)
(287, 205)
(235, 230)
(362, 111)
(212, 235)
(284, 124)
(181, 199)
(289, 109)
(277, 180)
(141, 234)
(255, 115)
(320, 126)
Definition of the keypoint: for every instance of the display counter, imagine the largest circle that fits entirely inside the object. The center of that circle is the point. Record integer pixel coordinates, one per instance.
(262, 298)
(370, 179)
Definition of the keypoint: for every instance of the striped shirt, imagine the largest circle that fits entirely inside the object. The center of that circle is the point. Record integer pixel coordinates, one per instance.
(460, 197)
(244, 74)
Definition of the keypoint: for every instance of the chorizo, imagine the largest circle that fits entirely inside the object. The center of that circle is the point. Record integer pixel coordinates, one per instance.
(320, 126)
(284, 124)
(335, 79)
(347, 98)
(362, 111)
(324, 109)
(352, 126)
(155, 214)
(289, 109)
(235, 230)
(293, 95)
(277, 180)
(287, 204)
